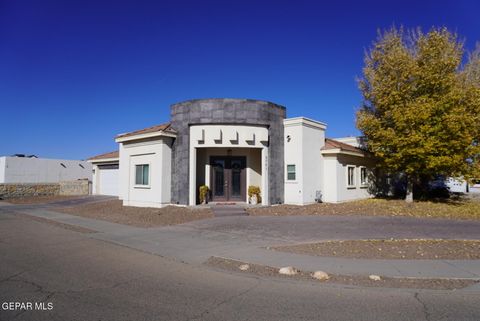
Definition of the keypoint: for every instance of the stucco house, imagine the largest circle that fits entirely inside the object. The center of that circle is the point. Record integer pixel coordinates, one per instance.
(229, 145)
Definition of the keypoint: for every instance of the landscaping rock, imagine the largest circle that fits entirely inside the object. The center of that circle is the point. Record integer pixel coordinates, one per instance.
(320, 275)
(244, 267)
(374, 277)
(288, 270)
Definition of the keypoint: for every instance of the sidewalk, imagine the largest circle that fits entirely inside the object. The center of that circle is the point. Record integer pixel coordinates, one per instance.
(194, 244)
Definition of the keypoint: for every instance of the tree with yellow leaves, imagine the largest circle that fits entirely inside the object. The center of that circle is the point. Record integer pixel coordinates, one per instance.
(421, 108)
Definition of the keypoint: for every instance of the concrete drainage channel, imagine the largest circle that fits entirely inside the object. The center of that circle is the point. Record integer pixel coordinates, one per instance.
(220, 210)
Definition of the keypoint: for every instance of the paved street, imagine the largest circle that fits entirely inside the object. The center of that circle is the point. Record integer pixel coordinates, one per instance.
(89, 279)
(248, 238)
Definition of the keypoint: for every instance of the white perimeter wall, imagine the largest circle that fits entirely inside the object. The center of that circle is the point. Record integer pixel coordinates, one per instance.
(307, 137)
(2, 169)
(158, 154)
(42, 170)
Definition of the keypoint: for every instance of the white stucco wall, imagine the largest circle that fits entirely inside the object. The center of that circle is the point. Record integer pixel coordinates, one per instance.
(351, 140)
(293, 156)
(304, 139)
(336, 185)
(94, 179)
(2, 169)
(166, 189)
(330, 180)
(231, 136)
(155, 152)
(42, 170)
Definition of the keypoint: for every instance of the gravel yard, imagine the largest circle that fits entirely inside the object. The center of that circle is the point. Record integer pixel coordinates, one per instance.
(114, 211)
(464, 208)
(391, 249)
(355, 280)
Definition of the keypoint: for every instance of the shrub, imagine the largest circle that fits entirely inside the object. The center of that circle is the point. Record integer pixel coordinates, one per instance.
(254, 190)
(203, 193)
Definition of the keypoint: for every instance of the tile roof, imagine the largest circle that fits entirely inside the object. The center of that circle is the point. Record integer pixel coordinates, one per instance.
(334, 144)
(167, 127)
(105, 156)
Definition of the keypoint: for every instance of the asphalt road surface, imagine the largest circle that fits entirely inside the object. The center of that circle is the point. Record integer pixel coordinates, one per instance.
(66, 275)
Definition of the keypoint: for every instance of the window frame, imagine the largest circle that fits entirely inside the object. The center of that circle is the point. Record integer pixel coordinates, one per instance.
(353, 185)
(289, 172)
(136, 185)
(363, 183)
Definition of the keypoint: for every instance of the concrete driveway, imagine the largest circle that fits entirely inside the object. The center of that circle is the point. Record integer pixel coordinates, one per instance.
(314, 228)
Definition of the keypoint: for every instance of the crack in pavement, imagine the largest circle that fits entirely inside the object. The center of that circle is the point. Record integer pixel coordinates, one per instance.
(39, 289)
(13, 276)
(49, 294)
(424, 306)
(227, 300)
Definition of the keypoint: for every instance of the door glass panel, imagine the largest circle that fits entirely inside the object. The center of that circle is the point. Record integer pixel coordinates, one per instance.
(236, 177)
(218, 174)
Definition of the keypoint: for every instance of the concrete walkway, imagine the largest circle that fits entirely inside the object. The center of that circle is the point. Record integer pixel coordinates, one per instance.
(220, 210)
(248, 238)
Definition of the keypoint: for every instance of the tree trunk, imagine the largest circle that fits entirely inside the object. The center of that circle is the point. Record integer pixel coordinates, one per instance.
(409, 196)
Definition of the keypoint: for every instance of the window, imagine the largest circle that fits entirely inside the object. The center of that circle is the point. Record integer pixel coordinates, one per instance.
(350, 176)
(363, 176)
(141, 174)
(291, 175)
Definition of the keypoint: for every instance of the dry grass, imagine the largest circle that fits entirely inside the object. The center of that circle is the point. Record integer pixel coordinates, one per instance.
(465, 209)
(114, 211)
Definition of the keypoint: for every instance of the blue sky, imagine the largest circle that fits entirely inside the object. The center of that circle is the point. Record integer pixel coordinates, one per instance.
(73, 74)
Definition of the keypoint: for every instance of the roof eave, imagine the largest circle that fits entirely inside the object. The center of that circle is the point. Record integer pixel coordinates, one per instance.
(160, 133)
(336, 151)
(103, 160)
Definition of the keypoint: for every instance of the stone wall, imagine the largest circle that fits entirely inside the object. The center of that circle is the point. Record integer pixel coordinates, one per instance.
(227, 111)
(78, 187)
(26, 189)
(11, 190)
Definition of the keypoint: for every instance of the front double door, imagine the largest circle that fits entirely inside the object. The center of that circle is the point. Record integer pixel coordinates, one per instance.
(228, 178)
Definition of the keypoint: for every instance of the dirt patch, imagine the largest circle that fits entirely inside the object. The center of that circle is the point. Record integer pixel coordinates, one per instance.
(464, 208)
(413, 283)
(410, 249)
(114, 211)
(39, 199)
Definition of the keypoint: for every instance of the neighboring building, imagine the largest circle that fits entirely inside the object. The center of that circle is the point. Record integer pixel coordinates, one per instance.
(456, 185)
(17, 169)
(475, 187)
(228, 145)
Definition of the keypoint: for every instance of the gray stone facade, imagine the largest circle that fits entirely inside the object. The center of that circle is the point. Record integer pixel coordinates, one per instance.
(227, 111)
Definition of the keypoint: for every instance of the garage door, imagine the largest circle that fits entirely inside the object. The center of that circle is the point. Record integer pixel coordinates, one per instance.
(108, 180)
